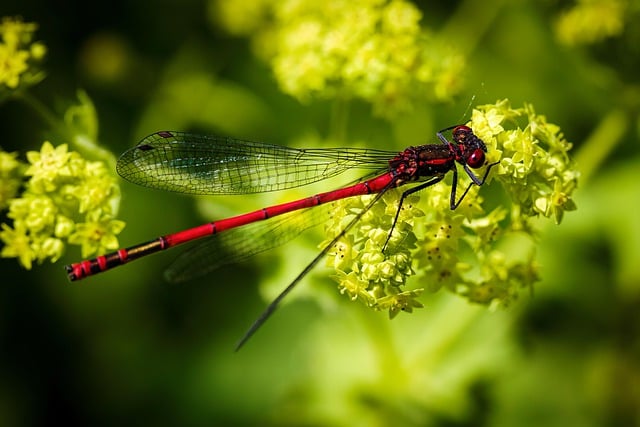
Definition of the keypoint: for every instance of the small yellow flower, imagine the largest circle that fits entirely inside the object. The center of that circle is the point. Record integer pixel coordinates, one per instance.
(50, 247)
(354, 287)
(12, 64)
(17, 244)
(97, 234)
(405, 301)
(41, 214)
(554, 204)
(47, 166)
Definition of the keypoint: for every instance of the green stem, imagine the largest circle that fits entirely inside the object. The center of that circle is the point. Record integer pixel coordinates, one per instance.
(96, 151)
(469, 22)
(41, 109)
(602, 141)
(79, 141)
(339, 119)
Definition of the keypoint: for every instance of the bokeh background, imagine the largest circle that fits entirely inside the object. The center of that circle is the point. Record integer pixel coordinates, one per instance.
(127, 348)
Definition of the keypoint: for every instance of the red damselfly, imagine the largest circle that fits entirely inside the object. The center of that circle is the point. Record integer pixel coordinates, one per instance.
(195, 164)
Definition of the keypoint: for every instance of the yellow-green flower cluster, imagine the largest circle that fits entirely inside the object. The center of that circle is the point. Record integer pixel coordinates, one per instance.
(364, 272)
(19, 55)
(11, 172)
(65, 198)
(373, 50)
(465, 250)
(590, 21)
(535, 168)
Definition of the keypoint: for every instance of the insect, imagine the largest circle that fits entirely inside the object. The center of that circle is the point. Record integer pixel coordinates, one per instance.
(196, 164)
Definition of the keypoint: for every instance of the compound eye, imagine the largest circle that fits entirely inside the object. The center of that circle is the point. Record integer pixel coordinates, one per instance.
(476, 159)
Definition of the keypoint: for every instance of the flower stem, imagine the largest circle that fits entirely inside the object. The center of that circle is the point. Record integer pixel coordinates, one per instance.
(339, 119)
(40, 108)
(466, 32)
(601, 142)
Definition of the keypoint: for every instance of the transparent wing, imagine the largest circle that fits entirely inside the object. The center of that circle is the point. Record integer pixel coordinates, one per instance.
(198, 164)
(241, 243)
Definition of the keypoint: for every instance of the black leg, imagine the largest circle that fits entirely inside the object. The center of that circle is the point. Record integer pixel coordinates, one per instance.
(422, 186)
(473, 177)
(441, 136)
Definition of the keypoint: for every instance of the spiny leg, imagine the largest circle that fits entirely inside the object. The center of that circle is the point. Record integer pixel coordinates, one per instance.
(429, 183)
(473, 177)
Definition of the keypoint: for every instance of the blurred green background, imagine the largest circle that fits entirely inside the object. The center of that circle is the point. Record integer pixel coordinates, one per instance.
(126, 348)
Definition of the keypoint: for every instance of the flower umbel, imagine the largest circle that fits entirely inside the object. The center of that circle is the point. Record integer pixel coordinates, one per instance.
(19, 56)
(65, 198)
(590, 21)
(371, 50)
(535, 167)
(464, 251)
